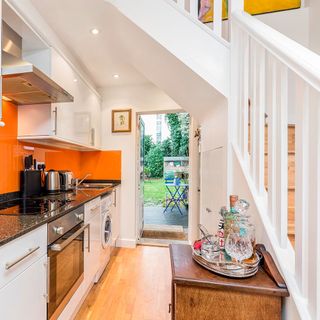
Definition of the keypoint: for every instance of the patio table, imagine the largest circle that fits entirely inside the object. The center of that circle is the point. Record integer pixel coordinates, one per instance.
(178, 195)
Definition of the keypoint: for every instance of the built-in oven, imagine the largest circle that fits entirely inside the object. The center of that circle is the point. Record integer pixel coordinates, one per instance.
(66, 259)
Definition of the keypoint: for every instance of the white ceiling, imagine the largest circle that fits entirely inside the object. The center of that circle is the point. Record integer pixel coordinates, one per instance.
(72, 21)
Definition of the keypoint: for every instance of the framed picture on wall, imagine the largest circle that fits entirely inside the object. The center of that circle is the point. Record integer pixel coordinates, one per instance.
(205, 7)
(121, 120)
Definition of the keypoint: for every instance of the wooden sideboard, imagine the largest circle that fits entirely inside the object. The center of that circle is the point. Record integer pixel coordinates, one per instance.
(198, 294)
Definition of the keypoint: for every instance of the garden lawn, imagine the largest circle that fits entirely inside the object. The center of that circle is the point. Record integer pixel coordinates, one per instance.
(154, 192)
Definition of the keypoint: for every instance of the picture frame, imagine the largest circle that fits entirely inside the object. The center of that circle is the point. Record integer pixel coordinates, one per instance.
(253, 7)
(121, 120)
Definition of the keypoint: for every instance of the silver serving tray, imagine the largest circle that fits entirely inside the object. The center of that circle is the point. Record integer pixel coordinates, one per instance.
(228, 268)
(218, 261)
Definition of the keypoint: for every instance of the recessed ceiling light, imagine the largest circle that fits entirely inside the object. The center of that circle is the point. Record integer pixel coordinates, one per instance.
(75, 80)
(95, 31)
(116, 76)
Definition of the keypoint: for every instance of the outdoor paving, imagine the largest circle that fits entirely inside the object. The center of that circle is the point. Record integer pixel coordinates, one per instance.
(155, 215)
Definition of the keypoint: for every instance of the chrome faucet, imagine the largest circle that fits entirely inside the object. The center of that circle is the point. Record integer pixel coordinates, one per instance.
(85, 177)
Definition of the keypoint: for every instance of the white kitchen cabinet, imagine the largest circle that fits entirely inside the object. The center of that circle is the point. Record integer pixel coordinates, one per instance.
(77, 121)
(25, 296)
(18, 254)
(92, 215)
(116, 215)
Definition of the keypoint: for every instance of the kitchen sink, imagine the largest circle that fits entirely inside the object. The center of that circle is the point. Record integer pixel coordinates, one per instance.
(94, 185)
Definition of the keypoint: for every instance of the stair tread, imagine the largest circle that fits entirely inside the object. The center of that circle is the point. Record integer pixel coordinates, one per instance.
(290, 188)
(291, 152)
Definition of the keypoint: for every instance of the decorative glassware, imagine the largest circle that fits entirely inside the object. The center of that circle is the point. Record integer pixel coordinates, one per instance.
(210, 249)
(241, 206)
(239, 246)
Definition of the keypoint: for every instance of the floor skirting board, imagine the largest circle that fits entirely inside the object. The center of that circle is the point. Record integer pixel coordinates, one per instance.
(126, 243)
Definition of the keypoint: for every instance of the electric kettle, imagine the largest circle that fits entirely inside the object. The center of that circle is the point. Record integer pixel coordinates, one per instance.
(53, 184)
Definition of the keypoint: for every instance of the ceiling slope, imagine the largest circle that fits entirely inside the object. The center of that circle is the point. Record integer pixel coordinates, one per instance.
(190, 65)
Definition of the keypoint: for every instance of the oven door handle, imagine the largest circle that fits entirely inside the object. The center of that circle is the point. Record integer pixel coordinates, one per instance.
(61, 246)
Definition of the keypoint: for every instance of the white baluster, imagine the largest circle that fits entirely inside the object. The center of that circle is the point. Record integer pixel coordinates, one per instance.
(240, 106)
(234, 113)
(194, 8)
(282, 160)
(260, 119)
(313, 231)
(301, 187)
(253, 108)
(272, 138)
(217, 17)
(244, 64)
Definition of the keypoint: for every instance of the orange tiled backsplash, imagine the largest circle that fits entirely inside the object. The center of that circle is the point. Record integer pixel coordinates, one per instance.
(101, 164)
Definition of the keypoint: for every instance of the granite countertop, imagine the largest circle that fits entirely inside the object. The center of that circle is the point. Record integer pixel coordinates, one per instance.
(14, 226)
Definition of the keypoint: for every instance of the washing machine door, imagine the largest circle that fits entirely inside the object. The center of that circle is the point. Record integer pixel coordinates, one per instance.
(106, 231)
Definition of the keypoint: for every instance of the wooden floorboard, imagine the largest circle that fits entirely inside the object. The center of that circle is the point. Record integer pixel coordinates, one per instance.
(135, 286)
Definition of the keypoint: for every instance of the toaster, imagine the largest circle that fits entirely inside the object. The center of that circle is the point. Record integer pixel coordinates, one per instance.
(67, 180)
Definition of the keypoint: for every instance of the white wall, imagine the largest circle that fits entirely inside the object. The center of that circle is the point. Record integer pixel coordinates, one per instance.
(213, 173)
(314, 25)
(194, 182)
(142, 98)
(148, 98)
(292, 23)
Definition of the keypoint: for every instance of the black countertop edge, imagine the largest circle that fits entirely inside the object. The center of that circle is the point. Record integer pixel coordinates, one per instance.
(13, 227)
(9, 196)
(116, 182)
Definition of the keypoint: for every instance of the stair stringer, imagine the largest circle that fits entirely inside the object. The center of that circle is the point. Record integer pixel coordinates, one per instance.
(295, 306)
(193, 71)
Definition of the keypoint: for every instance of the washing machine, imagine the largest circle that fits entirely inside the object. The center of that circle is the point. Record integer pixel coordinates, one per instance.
(106, 232)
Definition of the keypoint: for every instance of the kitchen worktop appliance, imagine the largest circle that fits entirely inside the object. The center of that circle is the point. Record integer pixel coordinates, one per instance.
(66, 245)
(67, 180)
(23, 83)
(53, 182)
(33, 206)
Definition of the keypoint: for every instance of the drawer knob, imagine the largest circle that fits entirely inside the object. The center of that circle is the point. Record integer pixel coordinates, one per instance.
(79, 216)
(58, 230)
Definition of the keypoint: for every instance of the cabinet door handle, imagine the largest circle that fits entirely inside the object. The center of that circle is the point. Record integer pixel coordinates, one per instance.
(55, 111)
(95, 208)
(48, 280)
(115, 198)
(89, 245)
(9, 265)
(169, 311)
(61, 246)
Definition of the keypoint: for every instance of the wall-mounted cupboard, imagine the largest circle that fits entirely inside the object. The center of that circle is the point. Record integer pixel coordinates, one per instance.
(71, 124)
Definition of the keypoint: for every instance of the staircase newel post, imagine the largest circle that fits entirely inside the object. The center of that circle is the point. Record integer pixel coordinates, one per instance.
(234, 100)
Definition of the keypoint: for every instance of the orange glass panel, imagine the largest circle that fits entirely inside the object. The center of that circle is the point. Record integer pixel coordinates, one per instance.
(102, 165)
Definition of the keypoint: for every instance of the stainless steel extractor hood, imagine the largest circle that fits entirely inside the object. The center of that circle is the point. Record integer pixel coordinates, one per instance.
(22, 82)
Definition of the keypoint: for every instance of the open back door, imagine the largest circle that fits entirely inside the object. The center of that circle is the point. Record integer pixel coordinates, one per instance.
(140, 176)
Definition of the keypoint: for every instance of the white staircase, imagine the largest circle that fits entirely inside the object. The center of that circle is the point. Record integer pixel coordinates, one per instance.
(169, 46)
(275, 72)
(271, 71)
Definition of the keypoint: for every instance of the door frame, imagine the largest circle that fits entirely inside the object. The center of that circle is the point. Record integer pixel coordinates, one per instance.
(194, 174)
(139, 223)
